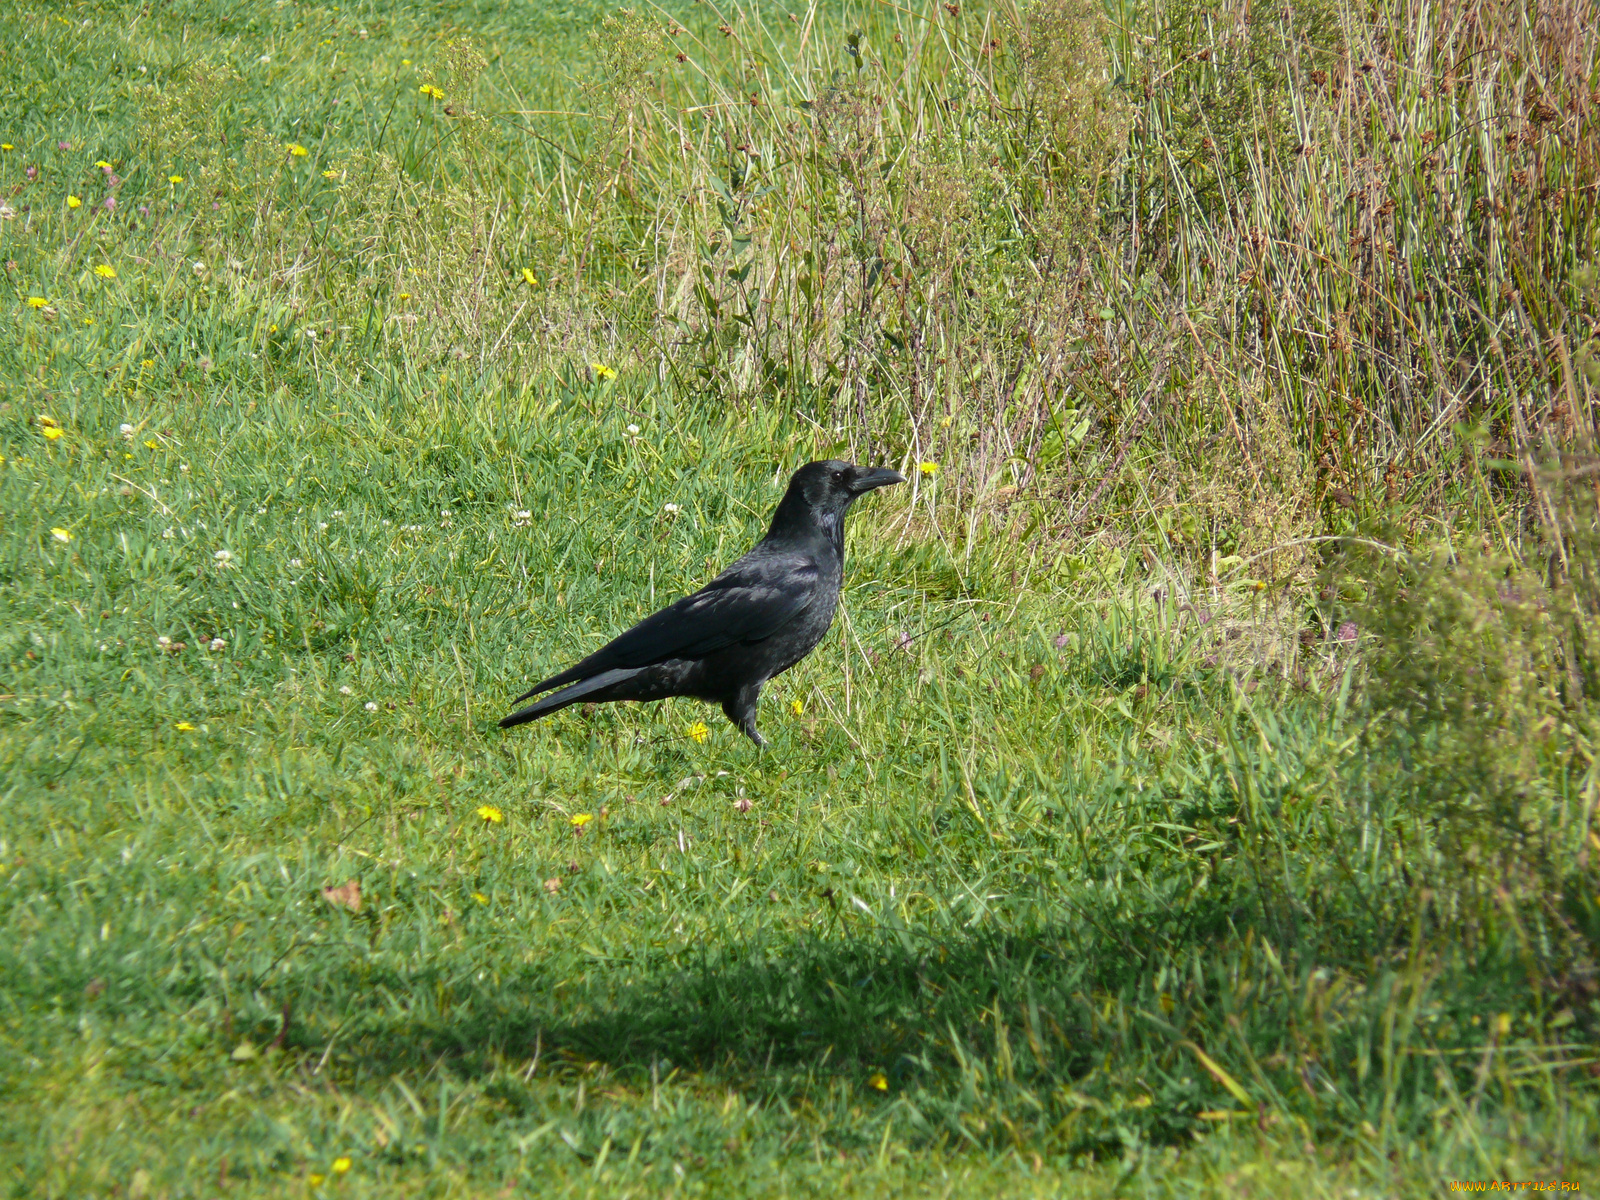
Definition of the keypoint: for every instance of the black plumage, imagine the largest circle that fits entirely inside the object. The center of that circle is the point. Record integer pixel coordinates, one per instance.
(752, 622)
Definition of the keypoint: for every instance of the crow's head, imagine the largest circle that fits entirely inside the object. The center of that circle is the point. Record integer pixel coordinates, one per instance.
(820, 493)
(832, 486)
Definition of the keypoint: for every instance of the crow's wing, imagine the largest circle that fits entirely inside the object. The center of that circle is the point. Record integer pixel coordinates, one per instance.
(749, 602)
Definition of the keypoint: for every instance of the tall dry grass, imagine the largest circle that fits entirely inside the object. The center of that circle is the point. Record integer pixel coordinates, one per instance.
(1229, 278)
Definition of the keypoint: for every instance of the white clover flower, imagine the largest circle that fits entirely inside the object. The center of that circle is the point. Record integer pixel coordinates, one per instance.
(444, 512)
(163, 640)
(633, 430)
(321, 525)
(166, 533)
(338, 512)
(345, 690)
(216, 644)
(385, 523)
(126, 430)
(261, 512)
(264, 59)
(183, 467)
(670, 508)
(296, 563)
(372, 706)
(223, 556)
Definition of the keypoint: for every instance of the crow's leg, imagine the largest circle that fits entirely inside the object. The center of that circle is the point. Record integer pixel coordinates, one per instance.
(741, 710)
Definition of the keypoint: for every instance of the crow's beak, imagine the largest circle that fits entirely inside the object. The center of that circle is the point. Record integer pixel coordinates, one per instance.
(868, 478)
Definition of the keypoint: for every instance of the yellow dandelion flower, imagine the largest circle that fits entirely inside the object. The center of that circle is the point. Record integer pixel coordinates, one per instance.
(480, 897)
(74, 202)
(602, 371)
(149, 444)
(296, 150)
(174, 178)
(51, 432)
(61, 535)
(529, 278)
(340, 1165)
(491, 814)
(6, 146)
(405, 62)
(147, 363)
(316, 1180)
(105, 271)
(330, 174)
(698, 731)
(877, 1080)
(405, 296)
(184, 727)
(429, 90)
(797, 707)
(103, 165)
(928, 468)
(579, 820)
(37, 302)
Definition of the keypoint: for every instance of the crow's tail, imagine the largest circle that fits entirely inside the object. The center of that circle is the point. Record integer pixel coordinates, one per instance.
(567, 695)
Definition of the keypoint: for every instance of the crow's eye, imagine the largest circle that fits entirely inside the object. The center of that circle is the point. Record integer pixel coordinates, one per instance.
(838, 476)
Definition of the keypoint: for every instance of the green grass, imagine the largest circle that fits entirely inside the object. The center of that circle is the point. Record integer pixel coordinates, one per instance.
(1068, 870)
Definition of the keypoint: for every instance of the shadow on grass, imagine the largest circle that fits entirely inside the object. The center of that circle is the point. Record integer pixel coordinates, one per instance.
(1080, 1036)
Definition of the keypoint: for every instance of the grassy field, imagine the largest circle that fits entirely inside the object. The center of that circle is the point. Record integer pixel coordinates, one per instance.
(1195, 799)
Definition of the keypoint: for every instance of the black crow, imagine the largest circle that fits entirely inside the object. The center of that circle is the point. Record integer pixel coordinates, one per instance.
(755, 620)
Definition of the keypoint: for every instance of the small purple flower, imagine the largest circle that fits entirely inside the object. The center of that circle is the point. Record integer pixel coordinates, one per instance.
(1347, 631)
(215, 206)
(32, 173)
(110, 204)
(63, 145)
(144, 210)
(113, 180)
